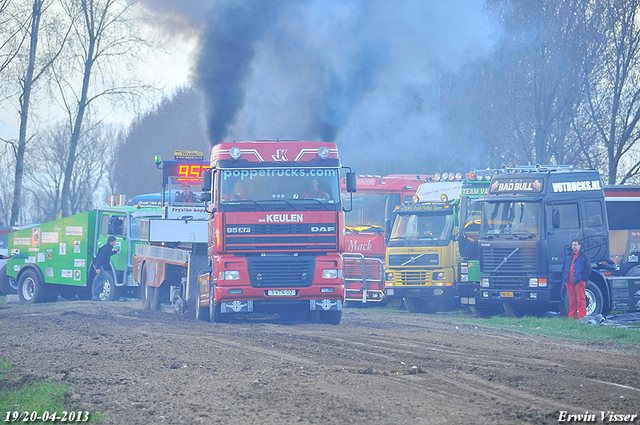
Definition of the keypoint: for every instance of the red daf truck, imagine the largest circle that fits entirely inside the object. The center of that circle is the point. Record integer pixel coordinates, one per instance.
(366, 227)
(272, 242)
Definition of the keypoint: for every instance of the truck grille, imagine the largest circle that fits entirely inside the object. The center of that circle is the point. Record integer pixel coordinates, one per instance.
(353, 269)
(282, 237)
(525, 259)
(413, 277)
(501, 282)
(281, 271)
(396, 260)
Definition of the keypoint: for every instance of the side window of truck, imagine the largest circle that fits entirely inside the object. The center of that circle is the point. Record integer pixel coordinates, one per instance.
(566, 216)
(113, 225)
(594, 216)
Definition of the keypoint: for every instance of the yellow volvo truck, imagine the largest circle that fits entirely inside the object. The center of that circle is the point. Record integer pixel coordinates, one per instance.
(422, 252)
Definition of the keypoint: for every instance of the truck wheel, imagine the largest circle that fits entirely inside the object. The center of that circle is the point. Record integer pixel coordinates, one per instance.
(149, 292)
(144, 291)
(31, 289)
(420, 305)
(8, 285)
(414, 305)
(633, 271)
(202, 313)
(331, 317)
(215, 315)
(155, 298)
(595, 303)
(109, 289)
(485, 311)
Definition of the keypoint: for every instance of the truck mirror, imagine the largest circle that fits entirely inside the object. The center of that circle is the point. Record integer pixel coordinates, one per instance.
(205, 197)
(206, 182)
(352, 185)
(556, 219)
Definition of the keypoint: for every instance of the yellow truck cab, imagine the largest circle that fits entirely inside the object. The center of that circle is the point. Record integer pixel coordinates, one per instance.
(422, 251)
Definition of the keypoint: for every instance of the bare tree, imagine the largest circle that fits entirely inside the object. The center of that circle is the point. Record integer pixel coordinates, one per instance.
(12, 34)
(106, 39)
(93, 161)
(34, 68)
(536, 75)
(613, 84)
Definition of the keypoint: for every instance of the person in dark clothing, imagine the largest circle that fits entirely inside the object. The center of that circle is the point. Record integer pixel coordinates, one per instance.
(187, 196)
(576, 272)
(101, 264)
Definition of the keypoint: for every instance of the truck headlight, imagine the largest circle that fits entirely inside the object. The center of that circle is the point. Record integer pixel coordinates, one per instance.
(231, 275)
(388, 276)
(330, 273)
(484, 282)
(439, 276)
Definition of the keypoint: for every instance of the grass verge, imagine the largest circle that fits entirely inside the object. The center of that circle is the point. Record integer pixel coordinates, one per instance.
(18, 396)
(553, 327)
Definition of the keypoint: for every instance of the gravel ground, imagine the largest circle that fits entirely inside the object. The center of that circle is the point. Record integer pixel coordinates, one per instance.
(377, 367)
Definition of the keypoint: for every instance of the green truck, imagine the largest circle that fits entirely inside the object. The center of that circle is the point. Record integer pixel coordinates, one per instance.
(56, 258)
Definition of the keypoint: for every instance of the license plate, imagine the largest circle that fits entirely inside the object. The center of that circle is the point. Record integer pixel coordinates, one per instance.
(281, 292)
(506, 294)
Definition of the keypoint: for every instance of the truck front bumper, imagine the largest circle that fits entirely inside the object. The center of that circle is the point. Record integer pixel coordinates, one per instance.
(421, 292)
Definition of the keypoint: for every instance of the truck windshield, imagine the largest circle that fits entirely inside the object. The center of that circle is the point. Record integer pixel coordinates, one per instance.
(425, 229)
(368, 209)
(183, 191)
(292, 185)
(511, 218)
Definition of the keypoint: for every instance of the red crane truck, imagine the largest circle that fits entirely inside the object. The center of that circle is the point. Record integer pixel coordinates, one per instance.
(272, 242)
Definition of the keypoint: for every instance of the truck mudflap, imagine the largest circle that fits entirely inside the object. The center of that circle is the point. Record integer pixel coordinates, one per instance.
(363, 278)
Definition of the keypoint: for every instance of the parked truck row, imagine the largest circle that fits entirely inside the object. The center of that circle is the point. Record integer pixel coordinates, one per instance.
(268, 233)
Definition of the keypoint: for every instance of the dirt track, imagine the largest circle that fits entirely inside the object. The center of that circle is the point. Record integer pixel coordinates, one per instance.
(141, 367)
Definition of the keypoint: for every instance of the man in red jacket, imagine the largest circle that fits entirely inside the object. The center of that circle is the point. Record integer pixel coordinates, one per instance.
(576, 272)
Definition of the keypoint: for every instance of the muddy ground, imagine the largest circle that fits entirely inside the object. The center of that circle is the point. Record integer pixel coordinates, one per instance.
(377, 367)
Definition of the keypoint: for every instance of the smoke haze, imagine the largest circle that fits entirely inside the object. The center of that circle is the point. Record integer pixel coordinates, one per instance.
(360, 73)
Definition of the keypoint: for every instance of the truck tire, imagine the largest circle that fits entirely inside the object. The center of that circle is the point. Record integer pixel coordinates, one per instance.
(420, 305)
(202, 313)
(31, 289)
(149, 293)
(110, 291)
(594, 298)
(144, 290)
(8, 285)
(633, 271)
(332, 317)
(215, 315)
